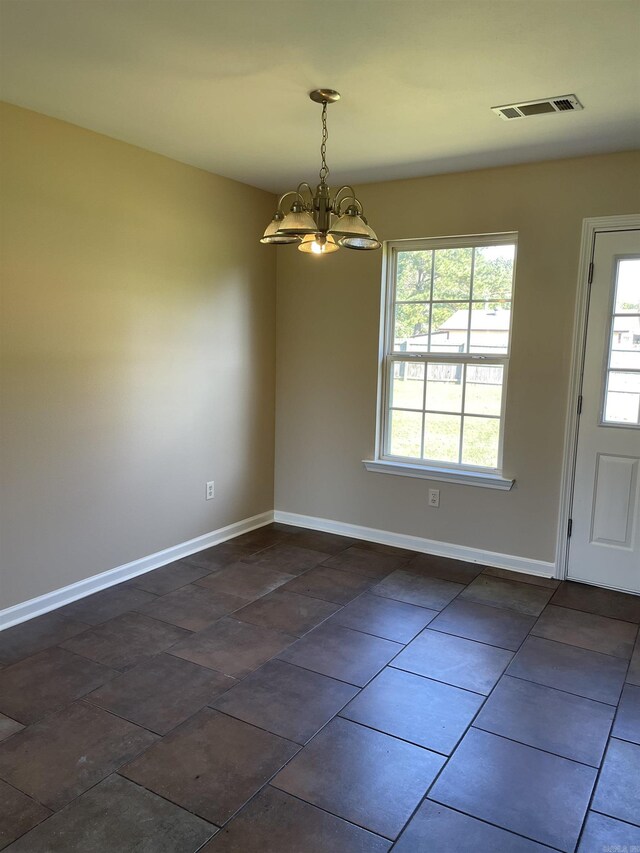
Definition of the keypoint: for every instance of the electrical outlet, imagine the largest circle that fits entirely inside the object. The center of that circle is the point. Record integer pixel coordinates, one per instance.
(434, 497)
(210, 490)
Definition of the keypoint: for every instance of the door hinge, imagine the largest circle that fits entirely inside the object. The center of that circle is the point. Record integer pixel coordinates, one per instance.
(569, 528)
(580, 404)
(590, 272)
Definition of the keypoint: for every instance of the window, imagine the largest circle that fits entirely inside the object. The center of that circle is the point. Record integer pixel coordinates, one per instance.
(622, 387)
(447, 329)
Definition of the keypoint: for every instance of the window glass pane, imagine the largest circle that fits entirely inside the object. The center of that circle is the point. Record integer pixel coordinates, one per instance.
(452, 274)
(411, 327)
(442, 437)
(625, 359)
(405, 433)
(490, 327)
(413, 276)
(480, 441)
(625, 343)
(628, 286)
(449, 327)
(493, 272)
(407, 385)
(444, 387)
(622, 404)
(483, 392)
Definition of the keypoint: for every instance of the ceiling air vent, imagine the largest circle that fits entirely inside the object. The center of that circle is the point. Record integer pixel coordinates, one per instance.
(561, 104)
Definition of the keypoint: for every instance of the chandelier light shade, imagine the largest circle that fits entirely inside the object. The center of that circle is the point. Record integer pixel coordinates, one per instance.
(271, 234)
(321, 222)
(315, 244)
(298, 222)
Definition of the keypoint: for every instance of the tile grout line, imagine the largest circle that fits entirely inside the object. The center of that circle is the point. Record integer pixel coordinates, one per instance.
(604, 758)
(568, 692)
(463, 735)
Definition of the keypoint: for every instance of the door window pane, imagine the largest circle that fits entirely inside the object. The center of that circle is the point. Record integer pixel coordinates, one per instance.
(406, 433)
(625, 342)
(625, 359)
(622, 395)
(622, 404)
(628, 286)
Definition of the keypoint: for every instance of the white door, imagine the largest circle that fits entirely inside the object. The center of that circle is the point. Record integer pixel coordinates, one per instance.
(604, 546)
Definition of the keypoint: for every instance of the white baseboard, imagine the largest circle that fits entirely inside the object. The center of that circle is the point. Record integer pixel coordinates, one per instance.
(417, 543)
(52, 600)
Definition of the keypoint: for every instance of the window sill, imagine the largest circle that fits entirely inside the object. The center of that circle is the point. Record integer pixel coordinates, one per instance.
(447, 475)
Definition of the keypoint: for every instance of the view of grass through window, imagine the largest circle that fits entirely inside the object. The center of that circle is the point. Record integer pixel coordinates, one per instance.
(447, 352)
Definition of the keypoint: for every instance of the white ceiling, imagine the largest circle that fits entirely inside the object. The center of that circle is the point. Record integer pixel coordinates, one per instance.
(222, 84)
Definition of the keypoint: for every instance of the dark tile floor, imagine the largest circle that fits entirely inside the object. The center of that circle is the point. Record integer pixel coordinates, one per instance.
(299, 692)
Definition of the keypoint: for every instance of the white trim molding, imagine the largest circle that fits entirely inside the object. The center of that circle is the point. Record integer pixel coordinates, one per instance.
(466, 477)
(417, 543)
(590, 227)
(58, 597)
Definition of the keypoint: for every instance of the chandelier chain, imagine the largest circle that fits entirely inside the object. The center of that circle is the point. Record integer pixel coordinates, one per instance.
(324, 169)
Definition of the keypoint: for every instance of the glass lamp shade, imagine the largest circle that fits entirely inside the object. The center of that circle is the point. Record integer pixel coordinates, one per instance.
(298, 222)
(354, 232)
(362, 243)
(351, 225)
(314, 246)
(271, 235)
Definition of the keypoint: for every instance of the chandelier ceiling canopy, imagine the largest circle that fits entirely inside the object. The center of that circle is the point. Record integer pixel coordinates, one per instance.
(321, 222)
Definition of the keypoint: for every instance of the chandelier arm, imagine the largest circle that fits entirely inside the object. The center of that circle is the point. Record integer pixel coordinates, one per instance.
(305, 185)
(337, 200)
(352, 198)
(291, 192)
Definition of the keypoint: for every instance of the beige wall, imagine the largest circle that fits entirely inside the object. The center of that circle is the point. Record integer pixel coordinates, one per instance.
(138, 353)
(328, 321)
(138, 343)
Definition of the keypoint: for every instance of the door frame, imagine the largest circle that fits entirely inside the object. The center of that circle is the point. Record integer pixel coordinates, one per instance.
(591, 227)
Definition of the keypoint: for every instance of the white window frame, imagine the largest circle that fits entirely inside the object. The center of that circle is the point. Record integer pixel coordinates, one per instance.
(433, 469)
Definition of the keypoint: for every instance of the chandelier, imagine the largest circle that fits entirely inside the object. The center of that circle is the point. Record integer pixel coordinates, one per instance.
(320, 222)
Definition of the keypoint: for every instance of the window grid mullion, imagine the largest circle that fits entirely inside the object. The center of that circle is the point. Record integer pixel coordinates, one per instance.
(433, 267)
(468, 348)
(473, 269)
(464, 395)
(464, 302)
(424, 396)
(459, 358)
(453, 414)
